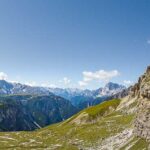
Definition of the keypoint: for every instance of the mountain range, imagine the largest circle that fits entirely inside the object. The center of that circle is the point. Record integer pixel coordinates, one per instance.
(117, 124)
(29, 108)
(7, 88)
(78, 97)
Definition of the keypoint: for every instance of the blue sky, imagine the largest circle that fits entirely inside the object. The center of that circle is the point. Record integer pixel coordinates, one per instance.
(67, 42)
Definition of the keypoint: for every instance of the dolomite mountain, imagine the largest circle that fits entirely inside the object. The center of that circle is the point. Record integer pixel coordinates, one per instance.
(141, 91)
(80, 98)
(138, 103)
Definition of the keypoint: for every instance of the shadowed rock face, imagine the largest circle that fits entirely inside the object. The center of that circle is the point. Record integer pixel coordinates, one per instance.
(141, 90)
(27, 112)
(14, 117)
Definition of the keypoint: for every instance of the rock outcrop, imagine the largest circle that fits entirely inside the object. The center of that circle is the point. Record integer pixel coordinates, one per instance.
(141, 90)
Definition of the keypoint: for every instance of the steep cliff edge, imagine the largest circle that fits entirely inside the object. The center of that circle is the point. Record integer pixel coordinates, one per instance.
(142, 91)
(138, 103)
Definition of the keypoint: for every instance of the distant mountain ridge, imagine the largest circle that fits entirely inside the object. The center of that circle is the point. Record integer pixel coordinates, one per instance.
(18, 88)
(109, 89)
(84, 98)
(76, 96)
(7, 88)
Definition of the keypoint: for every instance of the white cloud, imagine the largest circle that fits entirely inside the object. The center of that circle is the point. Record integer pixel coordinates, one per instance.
(148, 41)
(52, 85)
(100, 75)
(31, 83)
(46, 84)
(82, 83)
(127, 82)
(65, 81)
(13, 81)
(3, 76)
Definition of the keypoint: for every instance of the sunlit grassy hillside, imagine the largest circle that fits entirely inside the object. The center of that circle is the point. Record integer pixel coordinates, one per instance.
(95, 128)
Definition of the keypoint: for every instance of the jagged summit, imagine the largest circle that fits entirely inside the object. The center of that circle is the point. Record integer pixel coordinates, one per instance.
(141, 90)
(7, 88)
(112, 86)
(148, 70)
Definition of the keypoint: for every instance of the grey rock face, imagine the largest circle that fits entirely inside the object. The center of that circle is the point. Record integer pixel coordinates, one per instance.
(142, 91)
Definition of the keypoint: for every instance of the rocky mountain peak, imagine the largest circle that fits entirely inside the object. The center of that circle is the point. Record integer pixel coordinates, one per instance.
(113, 86)
(110, 89)
(142, 88)
(148, 70)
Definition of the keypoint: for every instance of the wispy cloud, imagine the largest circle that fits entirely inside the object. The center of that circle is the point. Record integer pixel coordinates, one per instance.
(148, 41)
(47, 84)
(127, 82)
(3, 76)
(65, 81)
(88, 77)
(82, 83)
(31, 83)
(100, 75)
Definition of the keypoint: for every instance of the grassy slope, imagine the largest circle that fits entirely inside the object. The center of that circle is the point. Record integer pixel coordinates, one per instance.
(70, 136)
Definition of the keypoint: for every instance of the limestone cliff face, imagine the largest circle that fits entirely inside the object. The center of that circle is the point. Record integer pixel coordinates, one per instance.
(141, 90)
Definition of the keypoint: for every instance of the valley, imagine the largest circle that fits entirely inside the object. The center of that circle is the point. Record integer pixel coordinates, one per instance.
(29, 108)
(109, 125)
